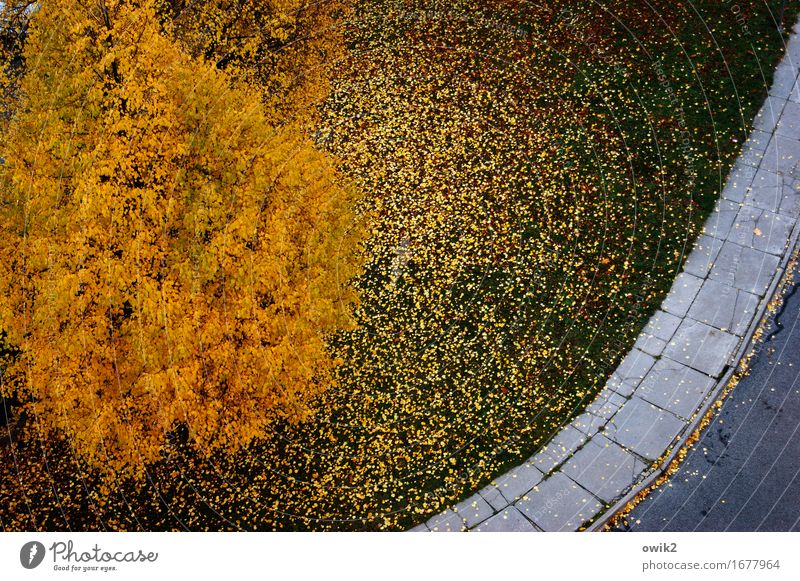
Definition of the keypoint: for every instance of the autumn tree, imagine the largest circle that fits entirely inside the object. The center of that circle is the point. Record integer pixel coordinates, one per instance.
(14, 15)
(171, 253)
(282, 46)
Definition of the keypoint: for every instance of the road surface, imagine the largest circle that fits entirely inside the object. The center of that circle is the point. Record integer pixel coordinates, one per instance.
(744, 473)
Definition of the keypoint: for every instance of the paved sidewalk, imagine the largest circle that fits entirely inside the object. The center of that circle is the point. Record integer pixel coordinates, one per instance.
(685, 354)
(742, 475)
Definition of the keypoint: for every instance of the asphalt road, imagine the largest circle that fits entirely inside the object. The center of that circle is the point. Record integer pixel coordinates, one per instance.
(744, 473)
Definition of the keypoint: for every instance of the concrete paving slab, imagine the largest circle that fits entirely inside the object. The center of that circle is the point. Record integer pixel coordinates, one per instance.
(606, 404)
(604, 468)
(681, 295)
(763, 230)
(662, 324)
(721, 220)
(446, 522)
(745, 224)
(473, 510)
(789, 123)
(508, 521)
(623, 388)
(644, 428)
(675, 387)
(791, 200)
(517, 481)
(738, 181)
(702, 256)
(767, 117)
(422, 528)
(794, 97)
(544, 461)
(492, 495)
(559, 504)
(745, 268)
(784, 80)
(588, 423)
(565, 443)
(782, 156)
(772, 232)
(702, 347)
(724, 307)
(634, 367)
(754, 148)
(768, 191)
(651, 345)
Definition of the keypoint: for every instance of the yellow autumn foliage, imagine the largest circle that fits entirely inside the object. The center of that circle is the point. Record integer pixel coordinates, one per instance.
(281, 46)
(170, 254)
